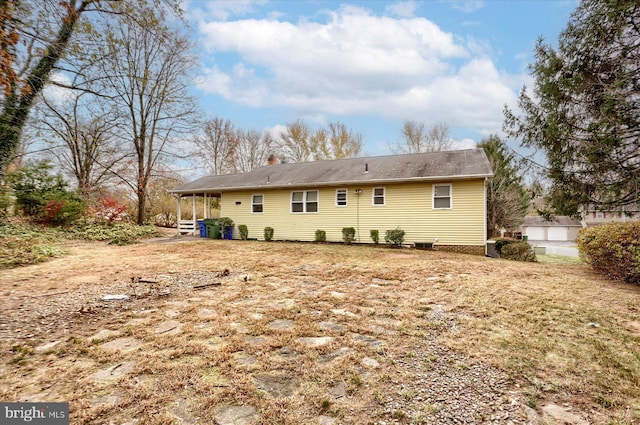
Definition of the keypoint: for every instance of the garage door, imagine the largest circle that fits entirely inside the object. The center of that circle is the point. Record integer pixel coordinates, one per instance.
(535, 233)
(558, 233)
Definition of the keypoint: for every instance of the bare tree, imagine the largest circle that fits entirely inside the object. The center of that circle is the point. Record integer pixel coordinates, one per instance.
(295, 143)
(342, 142)
(145, 71)
(417, 138)
(299, 143)
(87, 131)
(252, 151)
(37, 35)
(216, 147)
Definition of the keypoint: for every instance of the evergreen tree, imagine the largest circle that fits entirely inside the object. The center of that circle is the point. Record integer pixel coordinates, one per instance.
(507, 197)
(584, 112)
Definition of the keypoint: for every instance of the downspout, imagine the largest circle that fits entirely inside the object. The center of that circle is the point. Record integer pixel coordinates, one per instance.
(358, 192)
(484, 187)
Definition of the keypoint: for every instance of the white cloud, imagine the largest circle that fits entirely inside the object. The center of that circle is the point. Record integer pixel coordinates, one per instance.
(464, 144)
(405, 9)
(467, 6)
(400, 68)
(221, 10)
(276, 131)
(56, 94)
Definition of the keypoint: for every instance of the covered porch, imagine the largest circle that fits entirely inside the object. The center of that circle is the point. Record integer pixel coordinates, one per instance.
(189, 226)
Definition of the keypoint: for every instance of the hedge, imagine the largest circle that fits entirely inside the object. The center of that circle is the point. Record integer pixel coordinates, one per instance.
(518, 251)
(612, 249)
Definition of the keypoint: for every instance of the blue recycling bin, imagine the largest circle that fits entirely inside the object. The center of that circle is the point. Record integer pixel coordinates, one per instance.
(228, 233)
(203, 229)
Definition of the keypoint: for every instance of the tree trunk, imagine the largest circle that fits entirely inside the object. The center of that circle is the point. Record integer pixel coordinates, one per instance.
(18, 104)
(142, 210)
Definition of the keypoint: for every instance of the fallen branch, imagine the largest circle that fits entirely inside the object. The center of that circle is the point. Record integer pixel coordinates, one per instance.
(50, 294)
(141, 280)
(206, 285)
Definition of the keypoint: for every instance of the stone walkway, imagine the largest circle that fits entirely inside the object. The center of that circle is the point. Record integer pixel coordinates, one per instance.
(248, 357)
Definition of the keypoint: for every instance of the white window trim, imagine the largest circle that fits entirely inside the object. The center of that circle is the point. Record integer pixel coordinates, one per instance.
(433, 196)
(304, 202)
(252, 204)
(384, 196)
(346, 197)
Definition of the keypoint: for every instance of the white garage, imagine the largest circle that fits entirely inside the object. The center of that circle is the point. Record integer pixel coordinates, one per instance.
(535, 233)
(560, 233)
(561, 228)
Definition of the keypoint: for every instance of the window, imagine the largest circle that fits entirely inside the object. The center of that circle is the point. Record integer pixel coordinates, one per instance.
(304, 201)
(257, 203)
(441, 196)
(378, 196)
(599, 214)
(341, 197)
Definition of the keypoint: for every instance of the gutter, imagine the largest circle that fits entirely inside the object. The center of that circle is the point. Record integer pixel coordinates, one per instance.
(330, 184)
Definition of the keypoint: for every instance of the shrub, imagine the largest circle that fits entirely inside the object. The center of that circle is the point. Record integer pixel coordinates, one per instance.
(348, 234)
(5, 202)
(62, 208)
(165, 219)
(612, 249)
(226, 227)
(321, 236)
(375, 236)
(395, 237)
(121, 233)
(34, 185)
(43, 195)
(28, 244)
(501, 243)
(225, 223)
(268, 234)
(518, 251)
(244, 231)
(108, 210)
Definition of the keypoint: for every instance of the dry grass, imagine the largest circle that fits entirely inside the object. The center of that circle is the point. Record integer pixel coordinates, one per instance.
(556, 331)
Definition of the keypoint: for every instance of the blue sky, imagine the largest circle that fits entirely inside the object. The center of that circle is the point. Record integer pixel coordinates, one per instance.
(369, 64)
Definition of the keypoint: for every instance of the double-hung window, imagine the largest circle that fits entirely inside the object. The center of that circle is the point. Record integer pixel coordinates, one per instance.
(341, 197)
(304, 201)
(257, 203)
(441, 196)
(378, 196)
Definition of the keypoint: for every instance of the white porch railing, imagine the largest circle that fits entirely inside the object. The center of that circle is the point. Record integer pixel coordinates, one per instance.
(186, 227)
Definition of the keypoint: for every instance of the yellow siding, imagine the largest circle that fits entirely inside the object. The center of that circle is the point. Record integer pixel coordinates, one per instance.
(407, 205)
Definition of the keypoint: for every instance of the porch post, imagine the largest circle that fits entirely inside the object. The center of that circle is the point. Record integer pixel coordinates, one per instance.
(204, 207)
(179, 214)
(195, 223)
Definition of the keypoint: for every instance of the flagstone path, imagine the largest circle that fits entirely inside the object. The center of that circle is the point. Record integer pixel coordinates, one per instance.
(282, 347)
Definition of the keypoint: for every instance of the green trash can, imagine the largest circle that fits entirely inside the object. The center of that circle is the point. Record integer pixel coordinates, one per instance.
(213, 230)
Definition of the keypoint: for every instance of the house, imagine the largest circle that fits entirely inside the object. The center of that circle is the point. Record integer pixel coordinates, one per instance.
(592, 216)
(561, 228)
(436, 197)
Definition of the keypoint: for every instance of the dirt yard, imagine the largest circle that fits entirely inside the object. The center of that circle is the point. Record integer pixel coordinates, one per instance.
(233, 332)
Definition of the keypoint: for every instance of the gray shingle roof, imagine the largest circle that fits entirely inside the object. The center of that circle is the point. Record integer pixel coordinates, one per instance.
(446, 165)
(559, 220)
